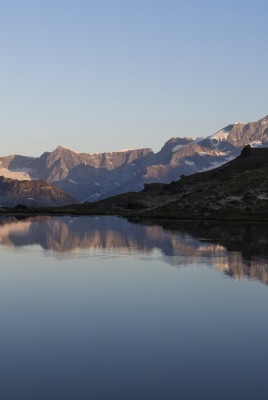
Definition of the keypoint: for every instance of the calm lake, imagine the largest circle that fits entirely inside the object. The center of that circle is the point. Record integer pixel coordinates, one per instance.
(98, 308)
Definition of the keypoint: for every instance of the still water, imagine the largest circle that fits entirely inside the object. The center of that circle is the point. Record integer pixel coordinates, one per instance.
(103, 308)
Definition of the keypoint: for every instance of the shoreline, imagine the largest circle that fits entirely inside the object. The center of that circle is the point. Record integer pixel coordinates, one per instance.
(250, 218)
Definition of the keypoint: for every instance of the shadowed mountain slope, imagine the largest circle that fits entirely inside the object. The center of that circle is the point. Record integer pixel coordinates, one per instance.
(236, 190)
(31, 193)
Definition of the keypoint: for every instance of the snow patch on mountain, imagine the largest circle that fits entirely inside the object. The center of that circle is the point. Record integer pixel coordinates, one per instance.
(67, 148)
(124, 150)
(255, 143)
(189, 162)
(179, 146)
(216, 164)
(198, 140)
(220, 135)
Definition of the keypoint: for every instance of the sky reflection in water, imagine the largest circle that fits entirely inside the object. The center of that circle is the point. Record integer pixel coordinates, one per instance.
(104, 315)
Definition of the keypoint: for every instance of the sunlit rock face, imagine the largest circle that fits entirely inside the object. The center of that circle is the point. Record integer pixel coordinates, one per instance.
(90, 177)
(226, 246)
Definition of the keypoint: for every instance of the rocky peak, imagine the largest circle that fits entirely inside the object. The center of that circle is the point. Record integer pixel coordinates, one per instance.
(165, 154)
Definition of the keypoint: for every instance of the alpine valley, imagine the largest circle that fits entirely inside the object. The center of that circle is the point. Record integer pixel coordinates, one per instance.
(92, 177)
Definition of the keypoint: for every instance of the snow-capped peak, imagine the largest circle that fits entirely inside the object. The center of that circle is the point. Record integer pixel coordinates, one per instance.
(178, 147)
(124, 150)
(66, 148)
(192, 141)
(220, 135)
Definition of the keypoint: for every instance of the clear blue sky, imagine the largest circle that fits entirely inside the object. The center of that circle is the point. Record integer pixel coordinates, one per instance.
(104, 75)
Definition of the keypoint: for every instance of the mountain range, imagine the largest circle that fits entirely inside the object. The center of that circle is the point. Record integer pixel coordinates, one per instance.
(91, 177)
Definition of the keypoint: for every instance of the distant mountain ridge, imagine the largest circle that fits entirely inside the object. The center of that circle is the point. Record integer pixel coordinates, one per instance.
(90, 177)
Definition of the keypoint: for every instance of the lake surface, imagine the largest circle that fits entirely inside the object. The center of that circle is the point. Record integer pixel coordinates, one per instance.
(103, 308)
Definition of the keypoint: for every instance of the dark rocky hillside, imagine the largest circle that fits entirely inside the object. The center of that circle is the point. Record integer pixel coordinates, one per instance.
(31, 193)
(236, 190)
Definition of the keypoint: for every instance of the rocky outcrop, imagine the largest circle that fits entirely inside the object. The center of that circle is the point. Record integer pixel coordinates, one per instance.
(36, 193)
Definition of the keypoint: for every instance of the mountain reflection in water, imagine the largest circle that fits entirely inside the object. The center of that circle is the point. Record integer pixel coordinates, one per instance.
(236, 250)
